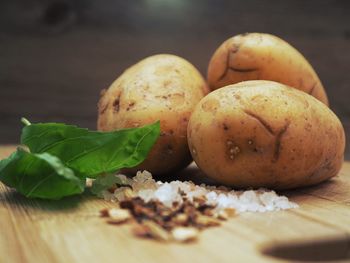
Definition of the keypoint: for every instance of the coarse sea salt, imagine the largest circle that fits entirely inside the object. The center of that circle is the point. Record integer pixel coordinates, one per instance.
(145, 187)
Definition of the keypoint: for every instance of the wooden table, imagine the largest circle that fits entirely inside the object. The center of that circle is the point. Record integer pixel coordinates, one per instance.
(70, 230)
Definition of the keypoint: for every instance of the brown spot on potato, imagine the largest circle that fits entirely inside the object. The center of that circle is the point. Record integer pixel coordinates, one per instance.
(116, 105)
(308, 127)
(259, 98)
(225, 126)
(130, 106)
(234, 48)
(146, 87)
(237, 96)
(252, 146)
(210, 105)
(163, 70)
(166, 83)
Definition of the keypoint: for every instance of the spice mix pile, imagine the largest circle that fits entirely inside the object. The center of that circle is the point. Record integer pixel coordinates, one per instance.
(177, 211)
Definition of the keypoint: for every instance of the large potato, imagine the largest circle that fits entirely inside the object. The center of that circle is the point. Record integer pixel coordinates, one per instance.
(262, 56)
(265, 134)
(160, 87)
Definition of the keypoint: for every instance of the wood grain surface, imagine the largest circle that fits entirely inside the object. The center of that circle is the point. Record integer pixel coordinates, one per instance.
(70, 230)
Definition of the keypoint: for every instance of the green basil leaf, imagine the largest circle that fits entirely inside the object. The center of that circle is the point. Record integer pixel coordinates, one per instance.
(42, 136)
(90, 153)
(39, 175)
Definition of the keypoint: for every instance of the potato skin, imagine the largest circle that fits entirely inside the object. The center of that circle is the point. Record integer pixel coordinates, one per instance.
(258, 56)
(161, 87)
(265, 134)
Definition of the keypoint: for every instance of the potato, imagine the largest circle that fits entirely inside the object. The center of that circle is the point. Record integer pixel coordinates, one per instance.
(161, 87)
(265, 134)
(258, 56)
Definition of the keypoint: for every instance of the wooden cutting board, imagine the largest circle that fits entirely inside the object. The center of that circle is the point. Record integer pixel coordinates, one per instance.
(70, 230)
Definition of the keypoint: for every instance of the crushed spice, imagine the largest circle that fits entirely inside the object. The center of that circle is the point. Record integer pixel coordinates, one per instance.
(178, 211)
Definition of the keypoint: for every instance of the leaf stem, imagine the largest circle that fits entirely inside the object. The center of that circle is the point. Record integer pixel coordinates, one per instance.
(25, 121)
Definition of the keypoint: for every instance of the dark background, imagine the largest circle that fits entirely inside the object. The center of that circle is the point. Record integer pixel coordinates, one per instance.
(56, 56)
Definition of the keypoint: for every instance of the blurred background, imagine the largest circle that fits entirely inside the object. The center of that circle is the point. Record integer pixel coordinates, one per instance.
(56, 55)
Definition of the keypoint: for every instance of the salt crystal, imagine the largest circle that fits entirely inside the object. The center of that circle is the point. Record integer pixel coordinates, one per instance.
(142, 176)
(249, 197)
(267, 198)
(144, 186)
(146, 194)
(211, 198)
(167, 194)
(223, 200)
